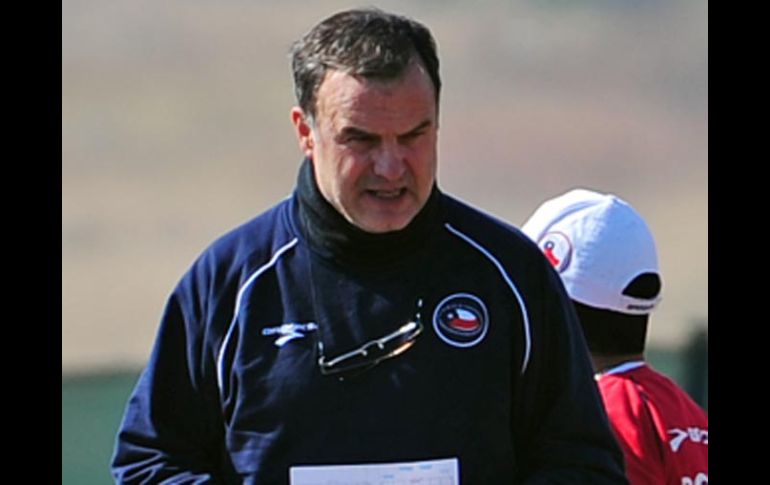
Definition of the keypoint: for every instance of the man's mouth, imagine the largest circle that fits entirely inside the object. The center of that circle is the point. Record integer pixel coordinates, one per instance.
(387, 194)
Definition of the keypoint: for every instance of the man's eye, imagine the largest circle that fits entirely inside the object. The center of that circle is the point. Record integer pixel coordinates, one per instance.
(410, 136)
(359, 138)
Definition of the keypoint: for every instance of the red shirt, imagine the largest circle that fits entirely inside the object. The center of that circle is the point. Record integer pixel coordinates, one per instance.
(662, 431)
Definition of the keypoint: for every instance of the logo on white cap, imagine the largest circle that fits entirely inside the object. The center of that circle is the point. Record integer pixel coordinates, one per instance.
(557, 248)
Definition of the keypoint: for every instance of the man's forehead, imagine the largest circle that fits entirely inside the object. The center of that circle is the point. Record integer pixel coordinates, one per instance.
(349, 100)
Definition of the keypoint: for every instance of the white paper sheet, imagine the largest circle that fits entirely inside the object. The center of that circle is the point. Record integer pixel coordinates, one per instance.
(433, 472)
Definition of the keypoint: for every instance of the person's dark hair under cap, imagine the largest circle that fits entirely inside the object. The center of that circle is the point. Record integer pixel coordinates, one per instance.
(362, 42)
(608, 332)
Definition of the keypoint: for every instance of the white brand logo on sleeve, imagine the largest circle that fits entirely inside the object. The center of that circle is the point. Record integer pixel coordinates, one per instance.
(696, 435)
(289, 331)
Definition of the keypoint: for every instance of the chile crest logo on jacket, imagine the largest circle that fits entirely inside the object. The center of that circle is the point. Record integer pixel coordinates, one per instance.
(461, 320)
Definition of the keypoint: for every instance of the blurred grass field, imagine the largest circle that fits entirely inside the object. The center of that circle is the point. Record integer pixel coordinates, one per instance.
(91, 409)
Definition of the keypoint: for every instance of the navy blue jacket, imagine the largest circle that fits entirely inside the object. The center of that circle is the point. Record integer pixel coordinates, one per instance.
(500, 377)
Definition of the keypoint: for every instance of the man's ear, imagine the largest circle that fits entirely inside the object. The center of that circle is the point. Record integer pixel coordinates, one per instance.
(303, 131)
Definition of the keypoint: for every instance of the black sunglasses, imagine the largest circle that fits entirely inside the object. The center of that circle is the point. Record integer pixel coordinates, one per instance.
(368, 355)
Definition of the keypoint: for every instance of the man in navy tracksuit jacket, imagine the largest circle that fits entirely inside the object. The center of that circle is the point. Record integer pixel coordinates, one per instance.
(382, 322)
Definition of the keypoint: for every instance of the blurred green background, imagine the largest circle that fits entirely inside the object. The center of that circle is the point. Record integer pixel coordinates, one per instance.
(175, 128)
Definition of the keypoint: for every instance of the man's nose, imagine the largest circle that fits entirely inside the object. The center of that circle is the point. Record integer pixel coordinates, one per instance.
(390, 161)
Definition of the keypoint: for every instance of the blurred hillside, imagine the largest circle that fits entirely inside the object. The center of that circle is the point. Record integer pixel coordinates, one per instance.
(175, 128)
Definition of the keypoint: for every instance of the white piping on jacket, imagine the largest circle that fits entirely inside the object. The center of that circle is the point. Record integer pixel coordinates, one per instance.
(241, 291)
(511, 285)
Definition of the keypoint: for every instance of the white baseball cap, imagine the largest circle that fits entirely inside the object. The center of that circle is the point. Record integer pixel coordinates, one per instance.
(598, 244)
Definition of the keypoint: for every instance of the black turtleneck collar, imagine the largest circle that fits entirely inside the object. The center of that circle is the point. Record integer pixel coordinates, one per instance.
(331, 235)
